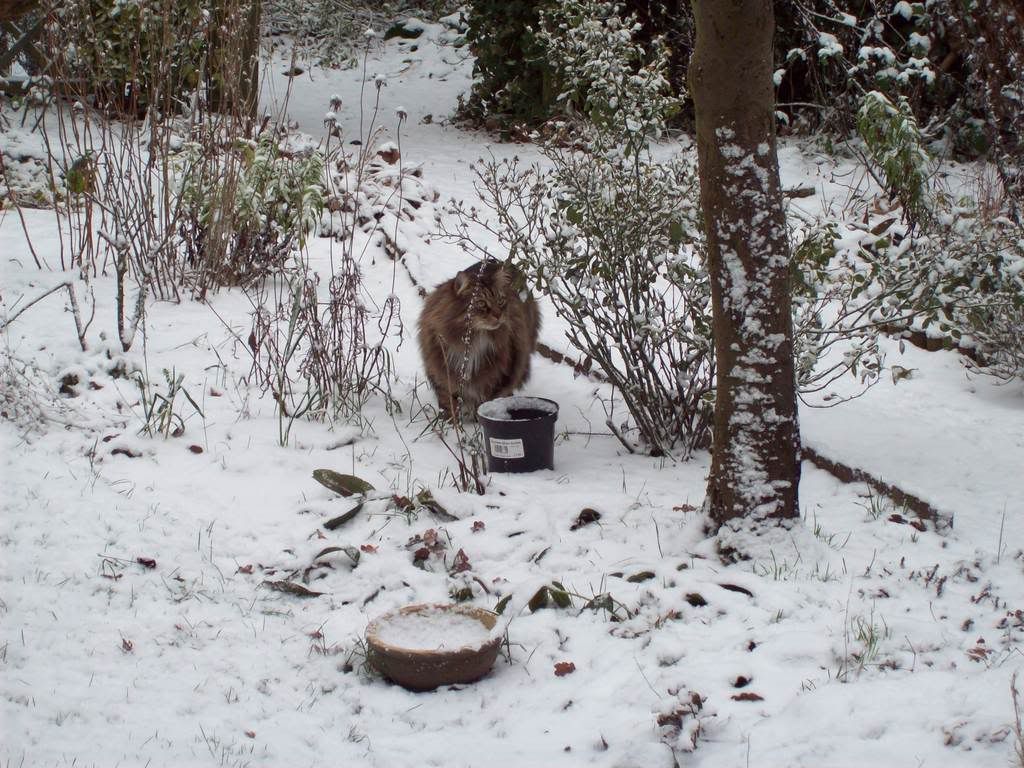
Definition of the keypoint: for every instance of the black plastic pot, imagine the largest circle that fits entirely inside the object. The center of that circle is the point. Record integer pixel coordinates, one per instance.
(519, 433)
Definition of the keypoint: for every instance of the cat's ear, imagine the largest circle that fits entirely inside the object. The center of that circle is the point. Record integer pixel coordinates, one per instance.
(462, 283)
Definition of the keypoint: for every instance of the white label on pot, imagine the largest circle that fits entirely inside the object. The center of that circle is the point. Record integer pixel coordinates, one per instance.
(507, 449)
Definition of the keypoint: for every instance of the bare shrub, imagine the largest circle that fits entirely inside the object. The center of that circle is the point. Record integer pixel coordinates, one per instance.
(614, 247)
(312, 351)
(142, 81)
(466, 449)
(610, 235)
(323, 347)
(114, 142)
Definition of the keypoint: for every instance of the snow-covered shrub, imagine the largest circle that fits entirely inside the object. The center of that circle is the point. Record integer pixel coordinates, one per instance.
(956, 273)
(326, 32)
(620, 258)
(25, 180)
(606, 73)
(610, 235)
(894, 145)
(128, 56)
(838, 305)
(515, 78)
(30, 400)
(245, 211)
(955, 282)
(995, 330)
(828, 316)
(960, 282)
(330, 33)
(943, 265)
(322, 347)
(316, 348)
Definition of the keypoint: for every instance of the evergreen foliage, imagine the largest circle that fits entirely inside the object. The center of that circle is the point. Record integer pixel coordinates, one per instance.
(511, 77)
(956, 66)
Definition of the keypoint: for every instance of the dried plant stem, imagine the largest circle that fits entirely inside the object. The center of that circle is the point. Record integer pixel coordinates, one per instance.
(1018, 722)
(126, 330)
(21, 216)
(76, 311)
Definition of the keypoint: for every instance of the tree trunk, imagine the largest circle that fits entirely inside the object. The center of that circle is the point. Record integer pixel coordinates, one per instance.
(755, 469)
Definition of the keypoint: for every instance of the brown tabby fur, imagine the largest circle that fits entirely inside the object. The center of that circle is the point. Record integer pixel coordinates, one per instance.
(476, 336)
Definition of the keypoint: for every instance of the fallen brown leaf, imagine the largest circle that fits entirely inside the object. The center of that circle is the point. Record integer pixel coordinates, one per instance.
(747, 696)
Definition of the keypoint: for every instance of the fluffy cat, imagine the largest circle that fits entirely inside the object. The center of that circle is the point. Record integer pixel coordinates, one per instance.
(476, 333)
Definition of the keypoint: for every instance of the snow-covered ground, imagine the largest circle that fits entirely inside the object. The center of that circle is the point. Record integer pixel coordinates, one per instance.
(136, 627)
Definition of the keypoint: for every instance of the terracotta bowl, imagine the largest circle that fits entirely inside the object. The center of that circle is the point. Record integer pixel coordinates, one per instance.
(423, 646)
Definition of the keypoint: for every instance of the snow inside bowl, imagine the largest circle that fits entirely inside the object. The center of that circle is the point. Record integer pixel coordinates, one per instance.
(519, 433)
(423, 646)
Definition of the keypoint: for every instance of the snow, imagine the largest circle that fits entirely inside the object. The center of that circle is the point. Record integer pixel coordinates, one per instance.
(138, 627)
(829, 45)
(919, 41)
(430, 629)
(500, 409)
(904, 9)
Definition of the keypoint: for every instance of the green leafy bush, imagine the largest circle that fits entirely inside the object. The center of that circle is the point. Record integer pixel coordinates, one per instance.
(605, 72)
(510, 76)
(245, 211)
(894, 144)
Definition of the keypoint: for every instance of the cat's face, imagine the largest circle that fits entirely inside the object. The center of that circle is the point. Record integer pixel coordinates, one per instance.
(487, 297)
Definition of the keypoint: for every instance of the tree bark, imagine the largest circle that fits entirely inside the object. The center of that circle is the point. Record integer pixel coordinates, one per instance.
(755, 469)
